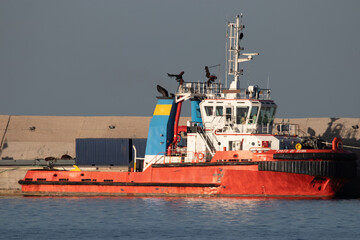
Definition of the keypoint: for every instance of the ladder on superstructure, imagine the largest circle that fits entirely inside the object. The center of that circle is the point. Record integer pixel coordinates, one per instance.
(207, 140)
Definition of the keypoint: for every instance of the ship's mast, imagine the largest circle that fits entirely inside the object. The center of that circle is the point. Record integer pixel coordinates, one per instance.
(234, 35)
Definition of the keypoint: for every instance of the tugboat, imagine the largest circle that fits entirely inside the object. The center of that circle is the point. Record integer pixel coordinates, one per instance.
(230, 148)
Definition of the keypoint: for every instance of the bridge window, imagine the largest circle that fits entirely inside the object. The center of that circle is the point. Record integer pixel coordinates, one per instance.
(253, 115)
(272, 114)
(209, 110)
(228, 113)
(219, 110)
(266, 115)
(241, 114)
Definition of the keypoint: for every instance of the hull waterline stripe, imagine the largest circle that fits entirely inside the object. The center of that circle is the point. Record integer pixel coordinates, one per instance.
(145, 184)
(119, 194)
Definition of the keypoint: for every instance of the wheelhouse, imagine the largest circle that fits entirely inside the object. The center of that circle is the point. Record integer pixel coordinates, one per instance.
(245, 115)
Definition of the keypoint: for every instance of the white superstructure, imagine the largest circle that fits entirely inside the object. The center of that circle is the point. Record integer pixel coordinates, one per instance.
(230, 119)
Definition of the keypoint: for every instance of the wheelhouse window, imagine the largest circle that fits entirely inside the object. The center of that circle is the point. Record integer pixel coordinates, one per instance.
(219, 110)
(266, 115)
(253, 115)
(272, 114)
(209, 110)
(228, 113)
(241, 114)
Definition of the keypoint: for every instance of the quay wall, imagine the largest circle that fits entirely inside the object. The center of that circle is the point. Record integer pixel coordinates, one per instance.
(38, 137)
(9, 177)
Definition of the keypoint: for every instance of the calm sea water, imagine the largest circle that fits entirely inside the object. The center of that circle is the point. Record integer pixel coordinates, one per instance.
(177, 218)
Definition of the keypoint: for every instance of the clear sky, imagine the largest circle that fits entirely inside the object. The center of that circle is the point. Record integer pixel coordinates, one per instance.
(94, 58)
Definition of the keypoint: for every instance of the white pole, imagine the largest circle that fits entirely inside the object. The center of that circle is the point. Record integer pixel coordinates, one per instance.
(236, 63)
(226, 53)
(134, 158)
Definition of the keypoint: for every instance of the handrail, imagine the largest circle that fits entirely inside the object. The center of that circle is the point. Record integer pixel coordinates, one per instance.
(196, 157)
(199, 88)
(207, 140)
(135, 158)
(286, 128)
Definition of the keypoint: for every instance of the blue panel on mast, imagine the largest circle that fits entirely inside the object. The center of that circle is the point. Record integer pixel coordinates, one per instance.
(161, 129)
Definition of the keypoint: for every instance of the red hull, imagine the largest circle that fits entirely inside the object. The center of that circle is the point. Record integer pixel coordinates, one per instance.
(222, 180)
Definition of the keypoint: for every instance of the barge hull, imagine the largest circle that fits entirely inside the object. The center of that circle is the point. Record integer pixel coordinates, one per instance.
(229, 181)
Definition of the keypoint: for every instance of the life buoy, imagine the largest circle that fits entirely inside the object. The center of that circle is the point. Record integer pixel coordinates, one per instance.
(200, 156)
(337, 144)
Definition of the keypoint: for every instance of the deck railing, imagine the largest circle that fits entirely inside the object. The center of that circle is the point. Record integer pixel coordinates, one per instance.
(200, 88)
(187, 157)
(286, 129)
(216, 90)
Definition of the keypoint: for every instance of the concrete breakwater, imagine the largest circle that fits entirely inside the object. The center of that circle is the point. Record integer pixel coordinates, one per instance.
(9, 177)
(38, 137)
